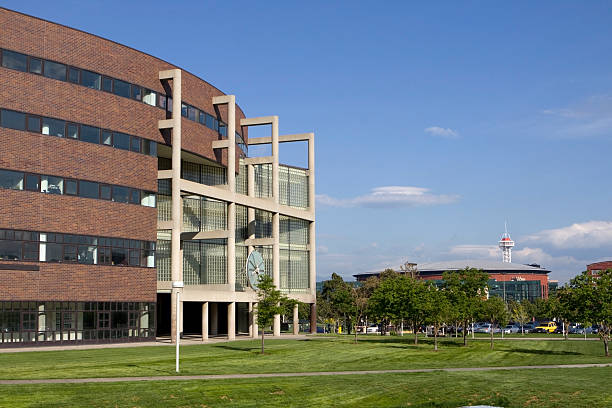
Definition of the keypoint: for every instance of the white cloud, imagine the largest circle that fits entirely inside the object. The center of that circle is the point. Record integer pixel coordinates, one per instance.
(442, 132)
(390, 196)
(591, 117)
(476, 251)
(591, 234)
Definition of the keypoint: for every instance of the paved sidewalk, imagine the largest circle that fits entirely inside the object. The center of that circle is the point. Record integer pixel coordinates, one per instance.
(276, 375)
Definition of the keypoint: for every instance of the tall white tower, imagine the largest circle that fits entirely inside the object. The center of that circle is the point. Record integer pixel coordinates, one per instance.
(506, 244)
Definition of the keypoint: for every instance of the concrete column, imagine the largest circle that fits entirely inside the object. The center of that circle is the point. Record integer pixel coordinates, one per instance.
(204, 321)
(311, 174)
(296, 320)
(312, 258)
(255, 330)
(250, 210)
(275, 178)
(231, 321)
(231, 246)
(313, 318)
(231, 183)
(276, 264)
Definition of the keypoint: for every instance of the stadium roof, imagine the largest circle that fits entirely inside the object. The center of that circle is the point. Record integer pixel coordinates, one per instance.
(478, 264)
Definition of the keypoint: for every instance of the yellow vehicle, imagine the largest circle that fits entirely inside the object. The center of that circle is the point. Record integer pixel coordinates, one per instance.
(546, 327)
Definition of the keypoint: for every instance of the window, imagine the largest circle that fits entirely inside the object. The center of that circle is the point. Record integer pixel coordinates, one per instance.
(192, 113)
(54, 252)
(10, 250)
(184, 110)
(104, 256)
(70, 187)
(52, 185)
(90, 79)
(55, 70)
(121, 88)
(105, 192)
(148, 199)
(149, 97)
(32, 182)
(119, 256)
(107, 84)
(202, 118)
(34, 124)
(35, 65)
(121, 194)
(13, 120)
(14, 60)
(74, 75)
(223, 130)
(161, 101)
(121, 141)
(11, 179)
(134, 196)
(107, 137)
(149, 147)
(90, 134)
(134, 257)
(86, 255)
(53, 127)
(135, 146)
(72, 131)
(30, 251)
(136, 92)
(209, 121)
(89, 189)
(70, 253)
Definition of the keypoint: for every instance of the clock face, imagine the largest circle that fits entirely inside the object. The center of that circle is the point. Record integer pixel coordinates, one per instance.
(255, 266)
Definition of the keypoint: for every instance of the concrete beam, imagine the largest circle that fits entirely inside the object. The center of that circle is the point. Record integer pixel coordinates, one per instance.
(164, 225)
(164, 174)
(220, 144)
(218, 234)
(299, 137)
(259, 140)
(259, 160)
(262, 120)
(166, 124)
(168, 74)
(222, 99)
(259, 241)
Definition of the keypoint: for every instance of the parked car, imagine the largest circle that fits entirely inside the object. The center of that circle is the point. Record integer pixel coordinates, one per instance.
(512, 328)
(529, 327)
(487, 327)
(546, 327)
(372, 329)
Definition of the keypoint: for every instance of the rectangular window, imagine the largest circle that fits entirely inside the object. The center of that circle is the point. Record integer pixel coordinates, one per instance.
(14, 60)
(86, 255)
(223, 130)
(70, 253)
(209, 121)
(107, 138)
(148, 199)
(11, 179)
(149, 147)
(104, 256)
(134, 196)
(30, 251)
(34, 124)
(13, 120)
(107, 84)
(135, 146)
(52, 185)
(149, 97)
(202, 118)
(55, 70)
(53, 127)
(134, 257)
(121, 194)
(89, 189)
(90, 79)
(10, 251)
(74, 75)
(35, 65)
(121, 141)
(54, 252)
(121, 88)
(161, 101)
(90, 134)
(119, 256)
(32, 182)
(105, 192)
(192, 113)
(184, 110)
(72, 131)
(70, 187)
(136, 92)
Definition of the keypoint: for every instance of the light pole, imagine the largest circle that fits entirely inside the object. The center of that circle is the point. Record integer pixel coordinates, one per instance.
(178, 285)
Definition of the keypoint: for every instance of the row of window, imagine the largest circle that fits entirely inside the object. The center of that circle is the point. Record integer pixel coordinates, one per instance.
(61, 128)
(62, 72)
(17, 180)
(52, 247)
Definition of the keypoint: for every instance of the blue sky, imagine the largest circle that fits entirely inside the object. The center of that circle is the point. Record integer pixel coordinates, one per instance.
(435, 122)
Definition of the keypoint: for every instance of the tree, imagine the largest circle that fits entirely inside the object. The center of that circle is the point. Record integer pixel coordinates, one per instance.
(270, 302)
(437, 309)
(519, 314)
(339, 295)
(494, 310)
(465, 290)
(384, 303)
(360, 296)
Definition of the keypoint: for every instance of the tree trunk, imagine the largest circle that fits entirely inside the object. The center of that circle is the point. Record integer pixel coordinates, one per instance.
(262, 340)
(606, 348)
(565, 330)
(491, 336)
(435, 338)
(356, 331)
(416, 336)
(465, 333)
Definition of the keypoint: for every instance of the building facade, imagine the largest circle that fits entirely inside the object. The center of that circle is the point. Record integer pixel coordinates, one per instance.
(595, 268)
(125, 183)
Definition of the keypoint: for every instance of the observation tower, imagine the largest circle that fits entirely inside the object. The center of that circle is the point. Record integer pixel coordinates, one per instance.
(506, 243)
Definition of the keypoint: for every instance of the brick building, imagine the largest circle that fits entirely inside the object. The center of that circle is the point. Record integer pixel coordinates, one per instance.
(126, 181)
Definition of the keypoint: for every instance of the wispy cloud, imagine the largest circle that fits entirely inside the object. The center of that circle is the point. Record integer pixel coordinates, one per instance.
(442, 132)
(591, 234)
(592, 117)
(476, 251)
(389, 197)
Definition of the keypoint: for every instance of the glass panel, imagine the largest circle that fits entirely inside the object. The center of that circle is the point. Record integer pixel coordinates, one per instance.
(134, 196)
(89, 189)
(32, 182)
(54, 252)
(136, 92)
(192, 113)
(105, 192)
(30, 251)
(121, 141)
(149, 97)
(74, 75)
(119, 256)
(87, 254)
(73, 131)
(162, 101)
(184, 110)
(13, 120)
(107, 137)
(209, 121)
(35, 65)
(90, 134)
(121, 88)
(148, 199)
(135, 145)
(70, 253)
(34, 124)
(14, 60)
(70, 187)
(52, 185)
(10, 250)
(120, 194)
(53, 127)
(107, 84)
(90, 79)
(55, 70)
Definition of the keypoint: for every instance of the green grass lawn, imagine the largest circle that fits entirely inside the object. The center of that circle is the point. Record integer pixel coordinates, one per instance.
(586, 387)
(313, 354)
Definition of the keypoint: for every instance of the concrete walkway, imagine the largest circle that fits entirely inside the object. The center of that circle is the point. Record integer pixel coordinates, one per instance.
(277, 375)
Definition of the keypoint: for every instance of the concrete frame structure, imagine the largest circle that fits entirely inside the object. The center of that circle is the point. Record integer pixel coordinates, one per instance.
(227, 193)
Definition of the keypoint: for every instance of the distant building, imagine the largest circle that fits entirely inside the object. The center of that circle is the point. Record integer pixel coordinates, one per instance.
(597, 267)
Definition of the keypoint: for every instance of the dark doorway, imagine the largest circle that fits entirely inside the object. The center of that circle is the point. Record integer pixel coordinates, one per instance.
(192, 318)
(163, 314)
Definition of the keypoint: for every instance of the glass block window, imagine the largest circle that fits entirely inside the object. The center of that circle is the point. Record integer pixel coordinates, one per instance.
(163, 257)
(213, 262)
(293, 232)
(242, 224)
(214, 215)
(263, 224)
(203, 174)
(241, 275)
(263, 180)
(294, 267)
(242, 180)
(293, 186)
(266, 253)
(192, 214)
(191, 262)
